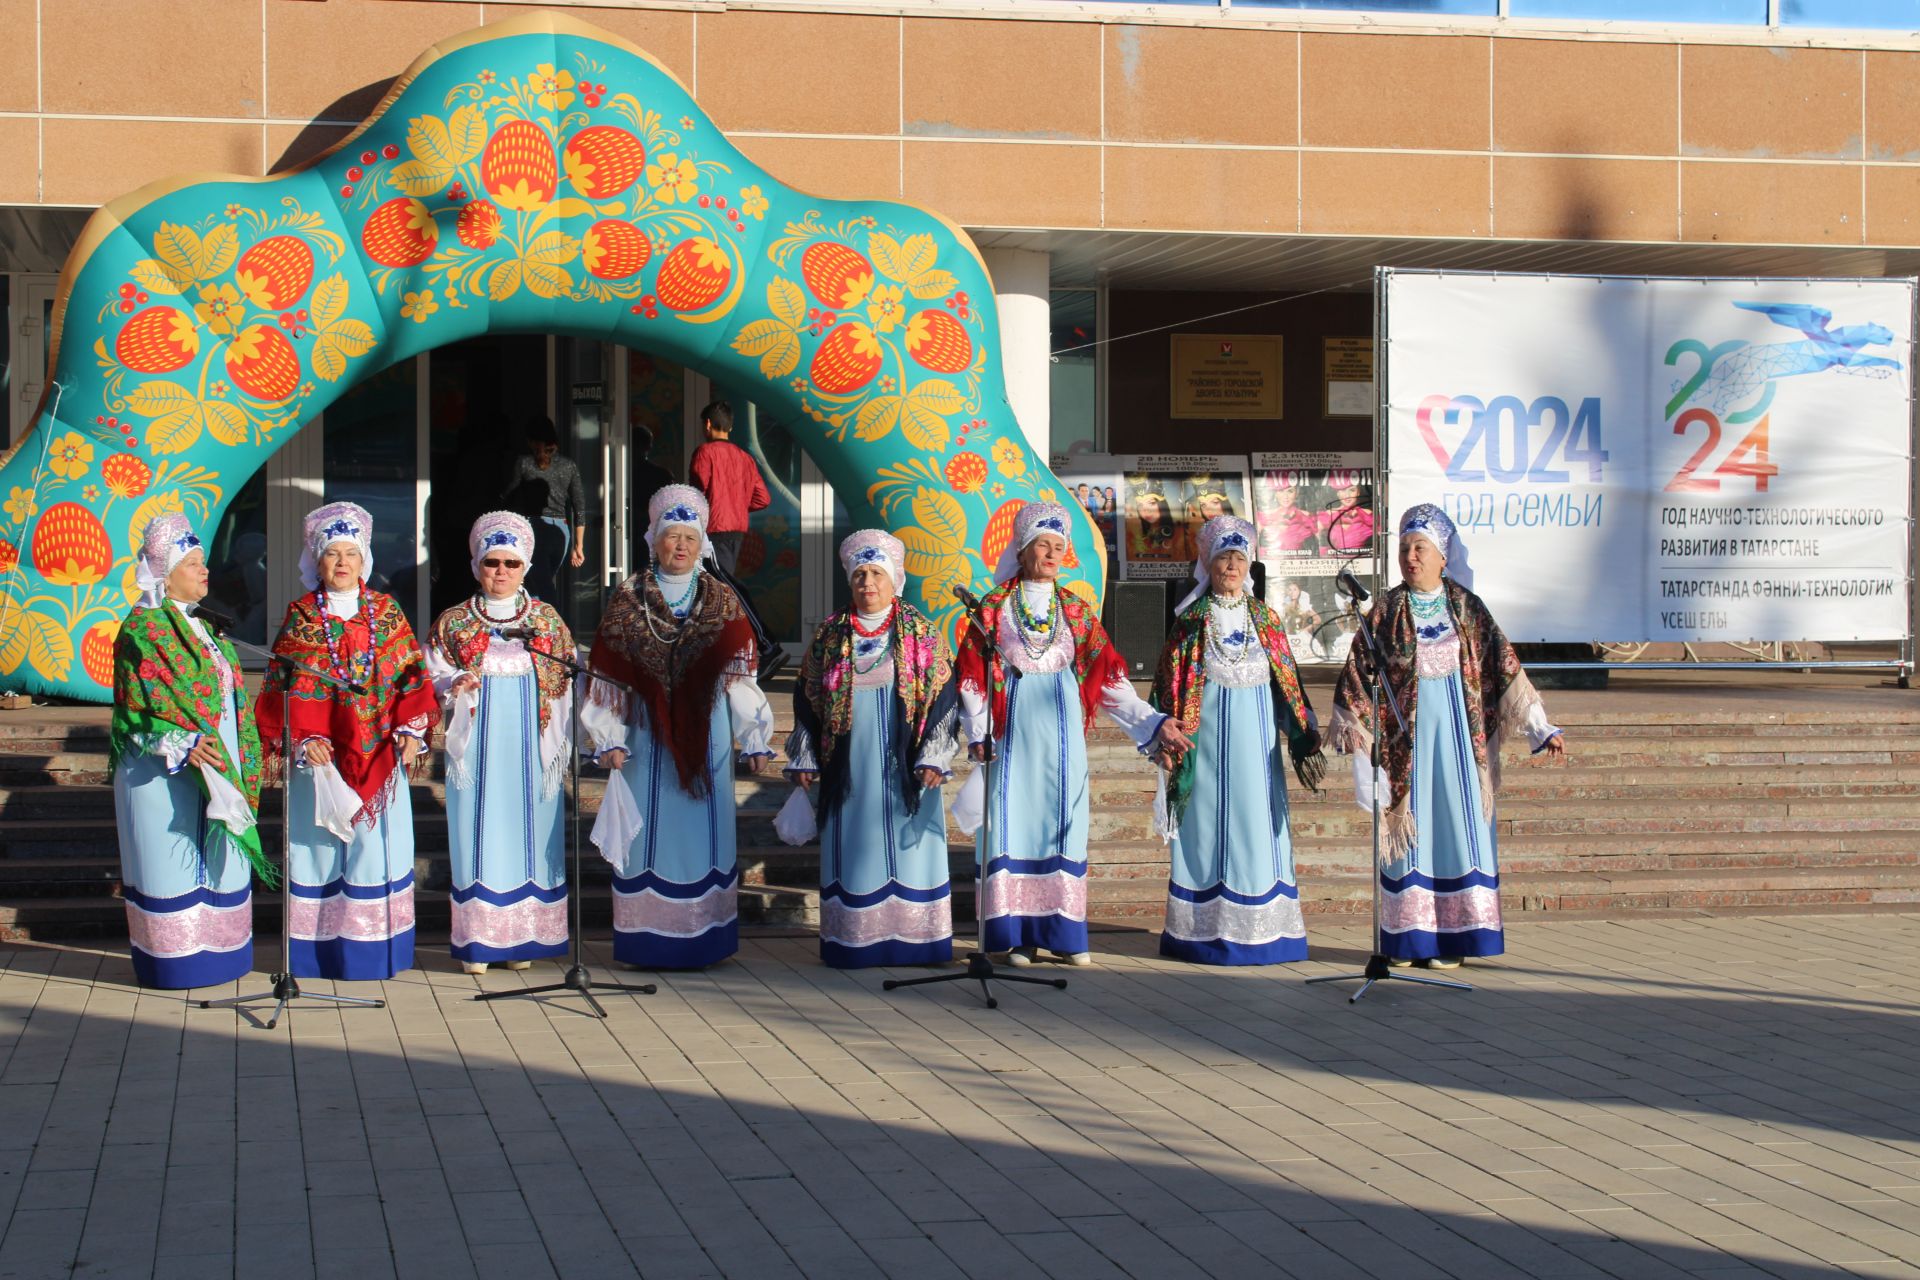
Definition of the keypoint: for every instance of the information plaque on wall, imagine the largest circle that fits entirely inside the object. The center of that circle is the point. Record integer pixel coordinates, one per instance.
(1225, 375)
(1347, 371)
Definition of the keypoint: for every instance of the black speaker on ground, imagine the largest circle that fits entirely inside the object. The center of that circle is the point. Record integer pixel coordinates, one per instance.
(1140, 624)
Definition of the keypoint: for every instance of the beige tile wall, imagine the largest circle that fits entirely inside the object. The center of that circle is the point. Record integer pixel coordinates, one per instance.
(1070, 123)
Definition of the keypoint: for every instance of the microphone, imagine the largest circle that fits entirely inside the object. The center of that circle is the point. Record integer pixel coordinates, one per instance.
(1351, 586)
(215, 619)
(514, 633)
(966, 597)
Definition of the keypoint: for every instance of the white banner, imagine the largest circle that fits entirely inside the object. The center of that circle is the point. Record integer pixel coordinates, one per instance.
(1661, 459)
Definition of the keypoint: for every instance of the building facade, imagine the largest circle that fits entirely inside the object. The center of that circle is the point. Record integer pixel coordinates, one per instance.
(1133, 174)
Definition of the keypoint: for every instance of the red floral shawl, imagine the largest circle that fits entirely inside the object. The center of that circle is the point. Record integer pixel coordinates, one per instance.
(360, 726)
(678, 677)
(1096, 663)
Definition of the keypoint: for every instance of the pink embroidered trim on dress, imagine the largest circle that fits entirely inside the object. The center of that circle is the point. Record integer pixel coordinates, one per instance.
(1226, 921)
(1437, 658)
(1009, 893)
(356, 919)
(167, 935)
(530, 920)
(1430, 912)
(895, 919)
(649, 912)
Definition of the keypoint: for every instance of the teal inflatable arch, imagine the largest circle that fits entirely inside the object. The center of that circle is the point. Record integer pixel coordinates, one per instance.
(533, 175)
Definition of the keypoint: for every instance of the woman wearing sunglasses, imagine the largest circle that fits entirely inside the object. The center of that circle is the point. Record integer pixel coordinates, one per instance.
(506, 743)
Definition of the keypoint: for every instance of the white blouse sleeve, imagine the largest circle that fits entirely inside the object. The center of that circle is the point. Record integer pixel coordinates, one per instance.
(973, 715)
(440, 670)
(1538, 729)
(603, 728)
(752, 717)
(1130, 711)
(800, 752)
(171, 745)
(940, 747)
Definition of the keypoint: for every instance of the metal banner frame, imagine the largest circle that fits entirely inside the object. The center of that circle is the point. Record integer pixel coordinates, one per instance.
(1903, 666)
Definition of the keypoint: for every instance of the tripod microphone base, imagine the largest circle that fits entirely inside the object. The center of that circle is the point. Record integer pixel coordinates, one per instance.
(979, 969)
(1380, 969)
(286, 988)
(578, 981)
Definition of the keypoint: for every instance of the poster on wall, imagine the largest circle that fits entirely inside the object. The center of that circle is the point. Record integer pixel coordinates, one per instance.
(1165, 498)
(1226, 375)
(1347, 374)
(1314, 515)
(1093, 481)
(1661, 459)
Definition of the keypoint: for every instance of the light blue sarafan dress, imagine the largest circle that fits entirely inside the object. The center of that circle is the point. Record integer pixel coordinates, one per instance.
(1440, 869)
(505, 811)
(188, 888)
(1035, 888)
(349, 896)
(1232, 896)
(884, 892)
(673, 849)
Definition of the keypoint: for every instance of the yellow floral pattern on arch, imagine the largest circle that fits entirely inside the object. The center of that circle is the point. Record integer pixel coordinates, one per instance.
(219, 308)
(70, 455)
(551, 88)
(673, 178)
(418, 306)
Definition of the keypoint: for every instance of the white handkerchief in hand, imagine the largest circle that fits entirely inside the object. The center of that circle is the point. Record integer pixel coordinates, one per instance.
(969, 805)
(1367, 783)
(795, 824)
(334, 802)
(1162, 823)
(225, 803)
(619, 822)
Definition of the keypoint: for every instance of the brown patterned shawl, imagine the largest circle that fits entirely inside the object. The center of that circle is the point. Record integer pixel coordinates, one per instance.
(1498, 697)
(678, 677)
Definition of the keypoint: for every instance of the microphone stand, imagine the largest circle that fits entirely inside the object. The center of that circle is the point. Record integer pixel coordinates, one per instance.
(1374, 673)
(286, 988)
(577, 979)
(980, 967)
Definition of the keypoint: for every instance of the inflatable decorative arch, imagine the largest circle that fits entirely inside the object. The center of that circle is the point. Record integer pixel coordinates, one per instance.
(533, 175)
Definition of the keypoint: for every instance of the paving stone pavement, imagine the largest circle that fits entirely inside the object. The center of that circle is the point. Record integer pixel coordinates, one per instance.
(1641, 1099)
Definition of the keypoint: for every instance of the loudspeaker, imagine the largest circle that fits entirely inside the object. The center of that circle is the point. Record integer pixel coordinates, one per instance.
(1140, 625)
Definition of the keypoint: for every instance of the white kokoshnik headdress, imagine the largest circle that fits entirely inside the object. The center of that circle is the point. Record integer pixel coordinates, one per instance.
(1436, 526)
(678, 504)
(500, 531)
(169, 540)
(875, 546)
(1029, 523)
(335, 522)
(1217, 536)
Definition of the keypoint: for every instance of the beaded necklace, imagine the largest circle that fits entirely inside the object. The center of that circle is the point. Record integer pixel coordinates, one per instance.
(1430, 618)
(1027, 625)
(361, 667)
(523, 605)
(1233, 646)
(881, 628)
(674, 620)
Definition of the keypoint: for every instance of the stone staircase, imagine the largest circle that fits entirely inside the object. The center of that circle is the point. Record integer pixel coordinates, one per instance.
(1669, 805)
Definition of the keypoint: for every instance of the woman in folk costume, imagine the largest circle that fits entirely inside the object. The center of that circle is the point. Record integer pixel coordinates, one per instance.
(1049, 669)
(681, 637)
(876, 720)
(1228, 677)
(186, 776)
(506, 746)
(1462, 691)
(350, 896)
